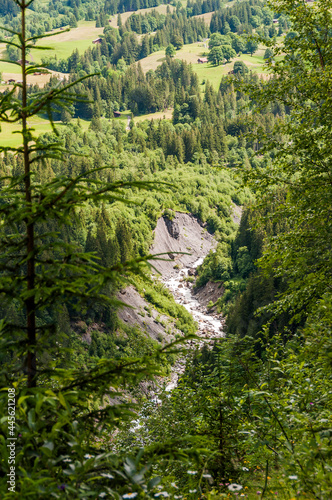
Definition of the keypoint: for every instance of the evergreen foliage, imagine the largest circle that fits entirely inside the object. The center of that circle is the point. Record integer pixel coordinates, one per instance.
(300, 253)
(251, 412)
(60, 409)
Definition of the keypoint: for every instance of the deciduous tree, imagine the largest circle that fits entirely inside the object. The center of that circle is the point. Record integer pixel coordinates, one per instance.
(170, 50)
(216, 55)
(301, 254)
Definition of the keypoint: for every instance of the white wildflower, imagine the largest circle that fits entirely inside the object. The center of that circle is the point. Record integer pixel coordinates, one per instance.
(207, 476)
(192, 472)
(102, 494)
(88, 456)
(130, 495)
(235, 487)
(245, 469)
(192, 491)
(293, 477)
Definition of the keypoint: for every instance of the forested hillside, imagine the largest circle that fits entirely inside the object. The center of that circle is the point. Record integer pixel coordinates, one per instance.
(202, 372)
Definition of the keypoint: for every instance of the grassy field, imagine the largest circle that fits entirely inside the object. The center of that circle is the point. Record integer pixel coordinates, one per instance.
(231, 3)
(9, 138)
(4, 66)
(62, 45)
(188, 53)
(167, 115)
(191, 52)
(207, 17)
(39, 80)
(65, 43)
(161, 9)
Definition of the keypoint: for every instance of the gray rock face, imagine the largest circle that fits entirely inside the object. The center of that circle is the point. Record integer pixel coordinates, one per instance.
(193, 240)
(172, 228)
(137, 315)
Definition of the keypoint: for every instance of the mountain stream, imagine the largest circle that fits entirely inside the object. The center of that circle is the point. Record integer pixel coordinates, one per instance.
(210, 326)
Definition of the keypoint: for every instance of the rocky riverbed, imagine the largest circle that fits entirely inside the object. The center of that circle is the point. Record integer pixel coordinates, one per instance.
(187, 242)
(210, 324)
(173, 236)
(184, 234)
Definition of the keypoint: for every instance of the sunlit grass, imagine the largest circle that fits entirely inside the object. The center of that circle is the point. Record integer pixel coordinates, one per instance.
(64, 44)
(10, 138)
(206, 71)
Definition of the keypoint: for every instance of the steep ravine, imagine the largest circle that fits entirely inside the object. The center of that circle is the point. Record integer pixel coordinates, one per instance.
(210, 325)
(187, 242)
(182, 234)
(178, 235)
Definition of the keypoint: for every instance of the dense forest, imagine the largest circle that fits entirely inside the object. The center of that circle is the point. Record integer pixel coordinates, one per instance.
(86, 411)
(176, 28)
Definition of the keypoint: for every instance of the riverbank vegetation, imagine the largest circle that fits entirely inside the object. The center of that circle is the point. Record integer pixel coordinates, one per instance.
(251, 416)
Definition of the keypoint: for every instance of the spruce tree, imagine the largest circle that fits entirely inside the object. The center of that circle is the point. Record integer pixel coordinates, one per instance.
(61, 412)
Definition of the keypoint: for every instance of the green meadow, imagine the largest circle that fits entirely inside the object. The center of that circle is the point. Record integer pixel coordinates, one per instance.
(166, 114)
(10, 137)
(206, 71)
(162, 9)
(63, 44)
